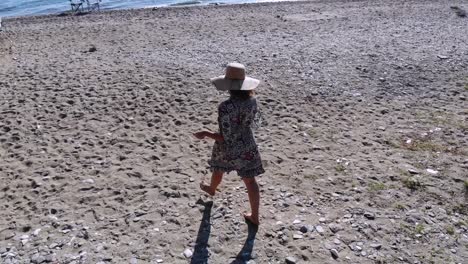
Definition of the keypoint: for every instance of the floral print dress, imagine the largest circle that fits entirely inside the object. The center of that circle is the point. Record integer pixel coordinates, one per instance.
(238, 151)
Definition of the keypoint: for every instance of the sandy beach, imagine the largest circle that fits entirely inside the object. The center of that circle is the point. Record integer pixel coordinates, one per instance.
(364, 135)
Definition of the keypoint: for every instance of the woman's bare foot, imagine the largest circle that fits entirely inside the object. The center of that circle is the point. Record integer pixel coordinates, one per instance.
(251, 219)
(207, 189)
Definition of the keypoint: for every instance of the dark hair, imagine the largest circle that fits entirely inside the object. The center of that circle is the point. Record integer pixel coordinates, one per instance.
(243, 95)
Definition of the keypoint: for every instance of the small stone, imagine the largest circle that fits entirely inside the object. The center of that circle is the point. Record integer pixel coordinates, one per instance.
(291, 260)
(376, 246)
(92, 48)
(314, 147)
(133, 261)
(334, 253)
(36, 232)
(297, 236)
(304, 229)
(431, 171)
(159, 261)
(369, 215)
(319, 229)
(49, 258)
(413, 171)
(53, 245)
(358, 248)
(335, 228)
(322, 220)
(336, 241)
(453, 250)
(89, 181)
(37, 259)
(442, 57)
(297, 221)
(9, 255)
(363, 253)
(188, 253)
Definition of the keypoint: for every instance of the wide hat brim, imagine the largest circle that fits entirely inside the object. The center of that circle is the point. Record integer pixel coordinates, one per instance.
(225, 84)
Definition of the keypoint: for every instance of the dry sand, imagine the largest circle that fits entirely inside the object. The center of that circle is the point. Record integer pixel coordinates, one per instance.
(365, 141)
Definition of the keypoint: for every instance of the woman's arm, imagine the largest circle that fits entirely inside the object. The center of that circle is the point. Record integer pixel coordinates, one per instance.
(216, 136)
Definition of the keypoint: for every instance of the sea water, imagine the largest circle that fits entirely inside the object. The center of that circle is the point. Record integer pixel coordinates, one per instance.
(13, 8)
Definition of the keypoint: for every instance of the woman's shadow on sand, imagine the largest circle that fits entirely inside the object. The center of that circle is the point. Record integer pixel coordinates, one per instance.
(201, 254)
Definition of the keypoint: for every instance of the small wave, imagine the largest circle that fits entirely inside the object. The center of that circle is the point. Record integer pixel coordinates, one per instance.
(7, 9)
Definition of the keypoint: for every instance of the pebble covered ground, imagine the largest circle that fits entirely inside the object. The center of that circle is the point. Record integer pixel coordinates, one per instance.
(364, 134)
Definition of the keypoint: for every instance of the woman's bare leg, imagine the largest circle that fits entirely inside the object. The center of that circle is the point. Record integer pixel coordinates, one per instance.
(216, 179)
(254, 199)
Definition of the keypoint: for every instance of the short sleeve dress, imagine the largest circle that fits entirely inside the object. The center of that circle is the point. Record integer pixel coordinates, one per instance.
(238, 151)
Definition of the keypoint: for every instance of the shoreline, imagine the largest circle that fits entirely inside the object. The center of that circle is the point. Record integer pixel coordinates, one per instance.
(186, 4)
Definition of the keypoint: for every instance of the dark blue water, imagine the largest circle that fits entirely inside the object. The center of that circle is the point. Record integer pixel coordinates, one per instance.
(9, 8)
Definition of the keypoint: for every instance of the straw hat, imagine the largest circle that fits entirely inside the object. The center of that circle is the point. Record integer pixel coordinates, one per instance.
(235, 79)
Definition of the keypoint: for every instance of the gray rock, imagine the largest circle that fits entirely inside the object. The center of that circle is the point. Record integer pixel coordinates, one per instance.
(284, 239)
(50, 258)
(376, 246)
(297, 236)
(319, 229)
(9, 255)
(188, 253)
(37, 259)
(334, 253)
(53, 245)
(335, 227)
(291, 260)
(369, 215)
(36, 232)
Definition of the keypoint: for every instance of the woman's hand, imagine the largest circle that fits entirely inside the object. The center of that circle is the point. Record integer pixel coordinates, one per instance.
(204, 134)
(201, 134)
